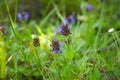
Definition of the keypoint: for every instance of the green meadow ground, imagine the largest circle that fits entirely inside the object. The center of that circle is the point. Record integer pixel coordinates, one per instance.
(93, 54)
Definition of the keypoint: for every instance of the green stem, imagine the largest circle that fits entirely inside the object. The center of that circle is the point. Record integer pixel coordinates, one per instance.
(16, 4)
(116, 44)
(38, 57)
(25, 57)
(15, 67)
(39, 62)
(10, 18)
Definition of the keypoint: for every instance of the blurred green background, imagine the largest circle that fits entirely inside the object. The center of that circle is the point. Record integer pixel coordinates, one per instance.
(39, 8)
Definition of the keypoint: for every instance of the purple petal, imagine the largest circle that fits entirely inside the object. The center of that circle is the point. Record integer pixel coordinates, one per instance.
(61, 45)
(89, 7)
(20, 16)
(26, 16)
(60, 28)
(54, 52)
(59, 51)
(72, 19)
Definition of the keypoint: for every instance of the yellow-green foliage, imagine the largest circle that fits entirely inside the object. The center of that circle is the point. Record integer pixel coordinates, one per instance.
(2, 59)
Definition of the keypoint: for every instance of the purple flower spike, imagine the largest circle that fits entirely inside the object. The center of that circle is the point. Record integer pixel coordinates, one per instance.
(65, 29)
(56, 46)
(89, 7)
(36, 42)
(23, 15)
(69, 19)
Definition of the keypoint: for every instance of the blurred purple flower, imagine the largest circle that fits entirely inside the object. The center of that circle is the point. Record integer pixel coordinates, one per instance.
(23, 15)
(69, 19)
(56, 46)
(65, 29)
(89, 7)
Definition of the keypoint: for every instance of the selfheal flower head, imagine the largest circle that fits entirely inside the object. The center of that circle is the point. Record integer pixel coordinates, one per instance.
(23, 15)
(56, 46)
(89, 7)
(69, 19)
(65, 29)
(36, 41)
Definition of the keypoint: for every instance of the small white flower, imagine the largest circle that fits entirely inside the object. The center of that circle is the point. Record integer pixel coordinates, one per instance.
(111, 30)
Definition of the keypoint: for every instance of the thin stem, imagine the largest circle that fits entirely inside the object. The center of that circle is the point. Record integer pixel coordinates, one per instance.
(15, 67)
(39, 62)
(10, 18)
(25, 57)
(16, 4)
(117, 45)
(38, 57)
